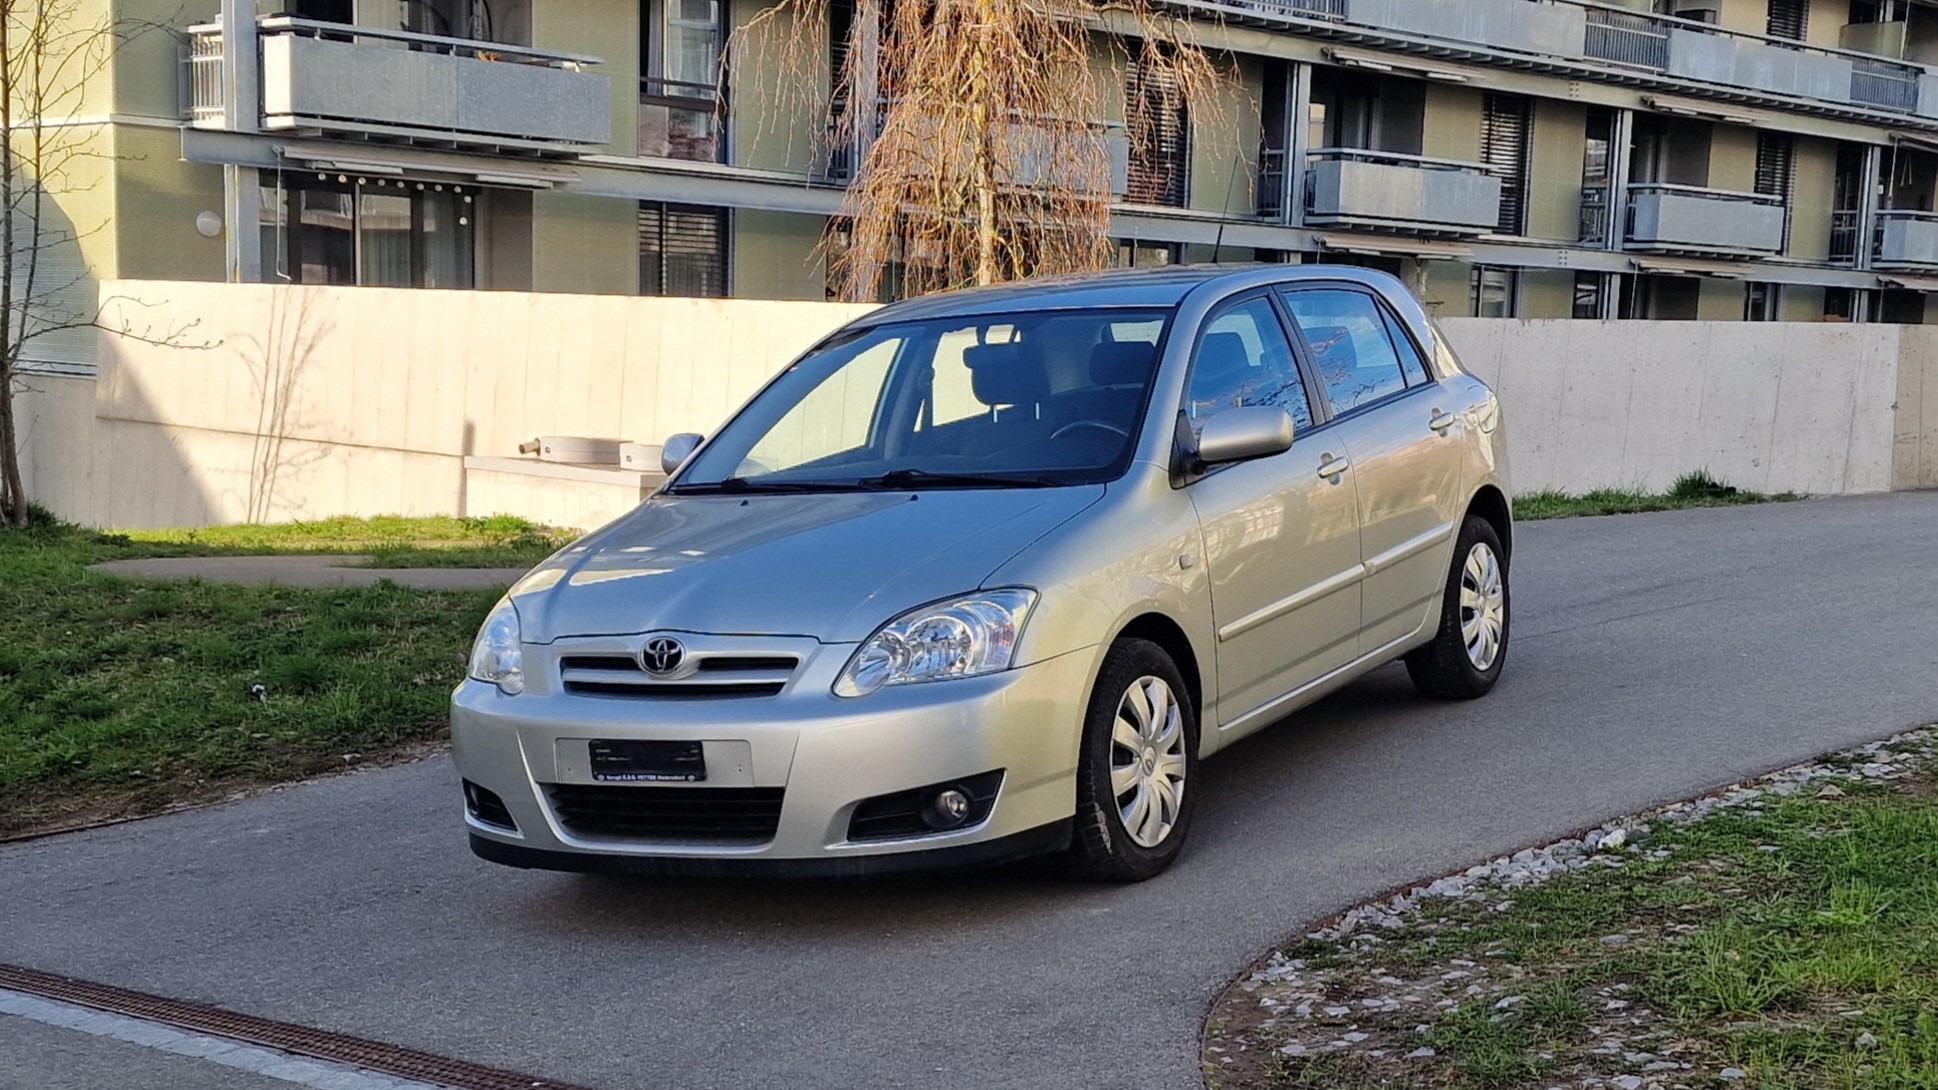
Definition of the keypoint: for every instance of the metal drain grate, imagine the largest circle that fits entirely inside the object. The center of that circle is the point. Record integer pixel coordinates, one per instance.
(403, 1063)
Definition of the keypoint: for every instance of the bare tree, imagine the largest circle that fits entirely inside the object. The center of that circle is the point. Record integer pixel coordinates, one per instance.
(986, 157)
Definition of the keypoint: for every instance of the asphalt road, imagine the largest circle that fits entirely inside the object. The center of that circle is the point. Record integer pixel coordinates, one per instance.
(1654, 656)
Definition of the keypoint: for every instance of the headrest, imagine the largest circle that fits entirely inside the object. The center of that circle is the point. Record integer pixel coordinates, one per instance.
(1126, 363)
(1332, 346)
(1007, 374)
(1222, 358)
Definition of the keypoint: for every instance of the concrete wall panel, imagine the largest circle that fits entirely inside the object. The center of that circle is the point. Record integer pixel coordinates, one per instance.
(309, 402)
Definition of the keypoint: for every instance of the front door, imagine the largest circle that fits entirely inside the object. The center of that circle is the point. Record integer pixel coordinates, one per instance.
(1281, 533)
(1397, 425)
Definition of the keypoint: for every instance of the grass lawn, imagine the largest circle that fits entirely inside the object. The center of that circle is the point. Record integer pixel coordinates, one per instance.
(120, 697)
(1783, 943)
(1697, 489)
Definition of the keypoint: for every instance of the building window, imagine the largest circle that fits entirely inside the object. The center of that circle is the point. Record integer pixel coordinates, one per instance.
(1901, 307)
(1157, 125)
(384, 232)
(1494, 290)
(1597, 174)
(1789, 19)
(1776, 170)
(1846, 305)
(1763, 303)
(1505, 123)
(682, 250)
(1846, 203)
(1591, 289)
(680, 111)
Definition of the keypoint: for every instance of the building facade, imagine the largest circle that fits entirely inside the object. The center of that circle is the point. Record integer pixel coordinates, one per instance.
(1659, 159)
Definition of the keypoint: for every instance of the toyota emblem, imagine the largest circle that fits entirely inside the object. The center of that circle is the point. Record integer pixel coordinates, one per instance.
(662, 655)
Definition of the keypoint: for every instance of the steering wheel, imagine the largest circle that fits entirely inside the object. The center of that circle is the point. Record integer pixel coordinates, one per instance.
(1075, 424)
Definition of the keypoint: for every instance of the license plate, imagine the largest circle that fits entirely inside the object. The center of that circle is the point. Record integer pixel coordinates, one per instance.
(648, 762)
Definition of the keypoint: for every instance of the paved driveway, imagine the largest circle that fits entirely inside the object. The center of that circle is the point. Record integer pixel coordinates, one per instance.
(1654, 656)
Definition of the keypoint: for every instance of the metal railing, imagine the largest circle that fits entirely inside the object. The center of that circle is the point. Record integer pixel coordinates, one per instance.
(1322, 9)
(1885, 85)
(1594, 215)
(1843, 236)
(1730, 196)
(1627, 38)
(1271, 182)
(207, 104)
(1393, 158)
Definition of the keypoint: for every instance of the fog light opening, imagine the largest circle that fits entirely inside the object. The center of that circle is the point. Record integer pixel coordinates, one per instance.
(948, 808)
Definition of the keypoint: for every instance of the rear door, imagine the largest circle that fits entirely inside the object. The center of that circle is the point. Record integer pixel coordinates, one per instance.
(1281, 533)
(1403, 437)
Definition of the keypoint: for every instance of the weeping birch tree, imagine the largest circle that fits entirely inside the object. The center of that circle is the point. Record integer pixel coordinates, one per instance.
(983, 151)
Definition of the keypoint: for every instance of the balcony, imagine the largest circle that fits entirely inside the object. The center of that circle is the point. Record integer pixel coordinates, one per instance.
(1360, 188)
(1603, 33)
(1906, 241)
(1552, 30)
(342, 80)
(1688, 219)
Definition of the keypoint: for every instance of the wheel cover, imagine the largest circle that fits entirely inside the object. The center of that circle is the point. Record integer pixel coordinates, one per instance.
(1483, 606)
(1147, 761)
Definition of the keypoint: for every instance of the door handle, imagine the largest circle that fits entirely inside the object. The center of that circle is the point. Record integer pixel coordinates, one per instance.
(1334, 469)
(1442, 422)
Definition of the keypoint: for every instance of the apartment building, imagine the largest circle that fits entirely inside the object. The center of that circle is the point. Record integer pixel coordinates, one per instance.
(1663, 159)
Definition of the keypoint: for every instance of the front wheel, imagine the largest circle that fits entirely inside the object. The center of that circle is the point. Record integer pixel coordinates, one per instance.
(1139, 755)
(1467, 653)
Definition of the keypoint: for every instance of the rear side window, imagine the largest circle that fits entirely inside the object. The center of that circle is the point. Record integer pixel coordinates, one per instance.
(1352, 349)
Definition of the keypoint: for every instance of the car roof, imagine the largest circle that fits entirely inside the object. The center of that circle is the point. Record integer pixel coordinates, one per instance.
(1159, 287)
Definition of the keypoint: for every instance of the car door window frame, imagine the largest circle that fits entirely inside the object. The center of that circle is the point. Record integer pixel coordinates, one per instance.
(1309, 359)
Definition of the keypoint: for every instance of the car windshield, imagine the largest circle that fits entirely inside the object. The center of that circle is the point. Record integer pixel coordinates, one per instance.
(1021, 400)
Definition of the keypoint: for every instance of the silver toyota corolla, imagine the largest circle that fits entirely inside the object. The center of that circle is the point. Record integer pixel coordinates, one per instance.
(986, 574)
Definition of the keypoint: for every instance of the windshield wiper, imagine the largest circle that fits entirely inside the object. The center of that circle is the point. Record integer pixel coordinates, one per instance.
(917, 478)
(739, 486)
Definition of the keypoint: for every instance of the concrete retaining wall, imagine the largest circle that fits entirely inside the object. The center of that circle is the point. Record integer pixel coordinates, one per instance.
(279, 403)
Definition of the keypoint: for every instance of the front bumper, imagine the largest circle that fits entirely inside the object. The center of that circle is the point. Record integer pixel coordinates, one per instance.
(829, 754)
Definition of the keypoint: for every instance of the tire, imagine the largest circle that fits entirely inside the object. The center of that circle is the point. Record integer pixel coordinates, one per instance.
(1461, 663)
(1109, 845)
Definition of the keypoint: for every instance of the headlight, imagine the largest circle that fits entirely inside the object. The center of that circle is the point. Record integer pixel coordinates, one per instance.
(962, 637)
(496, 657)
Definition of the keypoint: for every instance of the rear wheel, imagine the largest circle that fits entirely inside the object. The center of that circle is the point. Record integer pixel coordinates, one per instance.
(1467, 653)
(1138, 758)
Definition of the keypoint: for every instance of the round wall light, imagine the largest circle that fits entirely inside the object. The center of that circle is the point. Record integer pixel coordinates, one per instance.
(208, 224)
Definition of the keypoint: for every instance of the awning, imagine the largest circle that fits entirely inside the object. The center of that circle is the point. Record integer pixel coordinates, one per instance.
(1909, 283)
(1721, 270)
(1393, 62)
(1688, 107)
(1394, 246)
(1925, 142)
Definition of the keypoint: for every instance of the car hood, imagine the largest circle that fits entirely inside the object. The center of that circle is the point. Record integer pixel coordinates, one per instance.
(834, 566)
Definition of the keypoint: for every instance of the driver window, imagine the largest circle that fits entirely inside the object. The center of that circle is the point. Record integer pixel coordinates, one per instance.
(835, 417)
(1244, 359)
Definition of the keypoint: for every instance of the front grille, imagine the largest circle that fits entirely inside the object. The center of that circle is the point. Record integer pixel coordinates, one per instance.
(713, 676)
(486, 806)
(747, 815)
(899, 816)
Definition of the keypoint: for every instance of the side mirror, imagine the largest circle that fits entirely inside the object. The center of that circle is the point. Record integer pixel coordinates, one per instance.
(1242, 434)
(677, 449)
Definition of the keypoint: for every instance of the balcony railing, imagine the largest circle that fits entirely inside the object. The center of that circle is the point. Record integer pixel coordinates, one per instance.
(393, 84)
(1358, 187)
(1594, 215)
(1906, 240)
(1690, 219)
(1843, 236)
(1271, 182)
